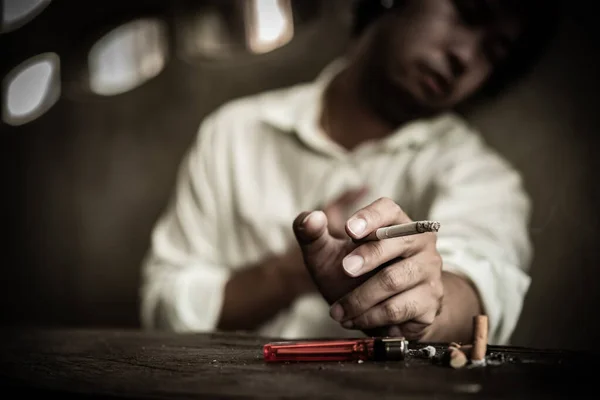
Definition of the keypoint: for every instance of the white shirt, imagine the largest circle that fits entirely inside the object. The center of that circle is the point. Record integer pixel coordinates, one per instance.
(260, 160)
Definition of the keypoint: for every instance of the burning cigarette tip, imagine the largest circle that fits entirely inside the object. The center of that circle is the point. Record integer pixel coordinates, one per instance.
(428, 226)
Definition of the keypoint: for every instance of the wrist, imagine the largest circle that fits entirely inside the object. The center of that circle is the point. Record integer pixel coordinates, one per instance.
(282, 274)
(460, 304)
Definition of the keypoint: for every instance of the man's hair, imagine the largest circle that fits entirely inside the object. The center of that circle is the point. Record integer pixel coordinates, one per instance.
(542, 18)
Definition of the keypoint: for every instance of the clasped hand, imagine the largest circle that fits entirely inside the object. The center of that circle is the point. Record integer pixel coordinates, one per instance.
(391, 287)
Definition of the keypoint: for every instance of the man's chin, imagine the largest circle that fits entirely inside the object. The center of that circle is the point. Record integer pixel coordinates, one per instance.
(405, 105)
(394, 101)
(424, 103)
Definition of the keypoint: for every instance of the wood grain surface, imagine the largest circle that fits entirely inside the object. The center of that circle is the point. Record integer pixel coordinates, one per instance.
(137, 364)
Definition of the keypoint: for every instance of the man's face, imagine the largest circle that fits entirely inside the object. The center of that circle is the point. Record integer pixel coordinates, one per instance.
(430, 55)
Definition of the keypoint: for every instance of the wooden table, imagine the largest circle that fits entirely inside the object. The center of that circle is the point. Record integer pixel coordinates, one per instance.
(135, 364)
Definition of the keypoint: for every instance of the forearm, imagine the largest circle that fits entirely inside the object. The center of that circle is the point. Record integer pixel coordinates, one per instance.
(257, 293)
(460, 304)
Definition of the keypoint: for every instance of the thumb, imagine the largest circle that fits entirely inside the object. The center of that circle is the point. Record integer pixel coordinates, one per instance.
(310, 229)
(323, 255)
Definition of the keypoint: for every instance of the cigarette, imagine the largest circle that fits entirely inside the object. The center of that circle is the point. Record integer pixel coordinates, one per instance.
(480, 338)
(411, 228)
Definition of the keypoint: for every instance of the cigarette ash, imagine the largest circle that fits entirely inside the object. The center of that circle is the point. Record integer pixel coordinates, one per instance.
(424, 352)
(428, 226)
(493, 359)
(496, 358)
(442, 355)
(477, 363)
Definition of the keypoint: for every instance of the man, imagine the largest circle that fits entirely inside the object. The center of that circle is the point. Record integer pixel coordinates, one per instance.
(372, 142)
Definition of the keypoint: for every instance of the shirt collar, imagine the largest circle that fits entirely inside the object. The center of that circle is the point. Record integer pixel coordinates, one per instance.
(299, 111)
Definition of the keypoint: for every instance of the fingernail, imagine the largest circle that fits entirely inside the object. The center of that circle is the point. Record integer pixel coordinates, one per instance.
(357, 226)
(336, 312)
(307, 218)
(348, 324)
(353, 264)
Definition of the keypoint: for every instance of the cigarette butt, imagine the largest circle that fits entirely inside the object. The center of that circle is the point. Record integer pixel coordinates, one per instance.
(480, 337)
(457, 359)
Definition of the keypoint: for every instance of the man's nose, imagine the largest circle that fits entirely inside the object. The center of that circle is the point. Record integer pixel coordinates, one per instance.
(463, 49)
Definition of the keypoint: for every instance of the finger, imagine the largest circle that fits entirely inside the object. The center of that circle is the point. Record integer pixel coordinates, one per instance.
(418, 305)
(413, 330)
(418, 328)
(319, 248)
(310, 229)
(370, 255)
(380, 213)
(391, 280)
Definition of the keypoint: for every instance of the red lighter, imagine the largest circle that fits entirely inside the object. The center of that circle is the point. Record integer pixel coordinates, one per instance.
(373, 349)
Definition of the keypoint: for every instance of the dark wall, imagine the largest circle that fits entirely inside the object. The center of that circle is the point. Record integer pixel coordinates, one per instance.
(89, 178)
(549, 128)
(86, 181)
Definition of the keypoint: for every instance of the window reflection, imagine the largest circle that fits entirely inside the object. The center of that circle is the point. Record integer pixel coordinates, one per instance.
(128, 56)
(16, 13)
(234, 29)
(31, 89)
(269, 24)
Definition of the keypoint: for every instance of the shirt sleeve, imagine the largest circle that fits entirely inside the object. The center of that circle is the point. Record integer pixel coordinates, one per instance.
(484, 215)
(182, 279)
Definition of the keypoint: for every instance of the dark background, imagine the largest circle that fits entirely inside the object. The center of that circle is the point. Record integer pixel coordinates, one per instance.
(85, 182)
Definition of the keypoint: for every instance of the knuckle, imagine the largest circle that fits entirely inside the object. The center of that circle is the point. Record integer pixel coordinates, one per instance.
(414, 332)
(391, 207)
(387, 202)
(399, 212)
(352, 304)
(391, 279)
(382, 206)
(439, 292)
(412, 270)
(375, 252)
(429, 318)
(373, 216)
(410, 309)
(406, 241)
(392, 312)
(436, 262)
